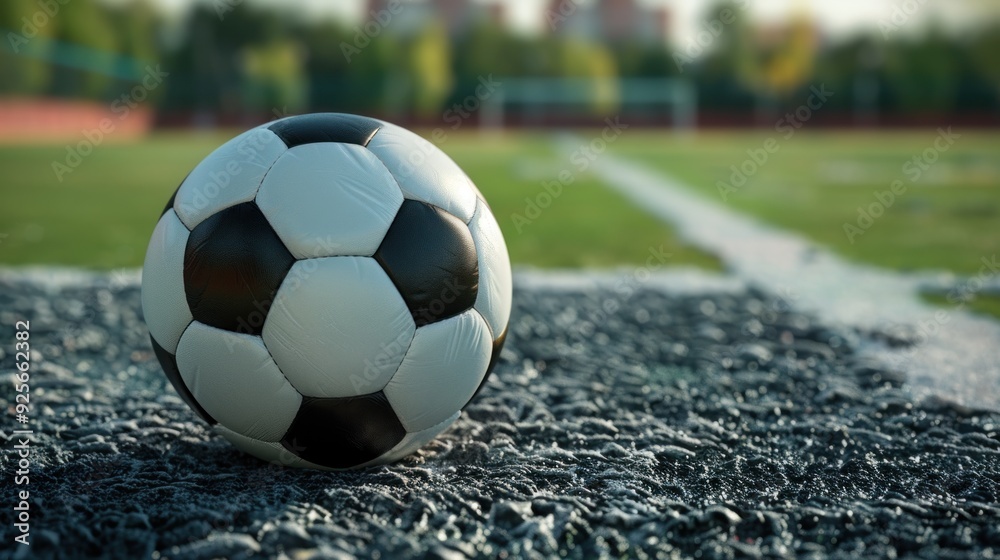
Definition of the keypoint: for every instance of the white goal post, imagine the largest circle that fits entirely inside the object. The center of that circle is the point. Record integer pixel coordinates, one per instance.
(677, 97)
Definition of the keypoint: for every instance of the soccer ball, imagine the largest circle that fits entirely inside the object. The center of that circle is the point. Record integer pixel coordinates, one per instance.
(327, 290)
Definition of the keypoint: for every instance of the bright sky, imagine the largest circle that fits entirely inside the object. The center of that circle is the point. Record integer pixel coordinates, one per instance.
(835, 17)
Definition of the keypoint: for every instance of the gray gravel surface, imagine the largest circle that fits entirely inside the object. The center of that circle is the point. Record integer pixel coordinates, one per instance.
(623, 424)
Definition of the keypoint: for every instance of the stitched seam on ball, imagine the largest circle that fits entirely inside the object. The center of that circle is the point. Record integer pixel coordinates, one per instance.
(395, 371)
(389, 171)
(264, 176)
(489, 327)
(287, 380)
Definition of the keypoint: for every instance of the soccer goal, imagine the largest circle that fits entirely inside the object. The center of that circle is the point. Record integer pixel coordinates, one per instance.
(672, 101)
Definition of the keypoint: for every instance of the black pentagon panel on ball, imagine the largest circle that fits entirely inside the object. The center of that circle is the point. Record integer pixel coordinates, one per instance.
(326, 127)
(341, 433)
(430, 256)
(169, 364)
(234, 263)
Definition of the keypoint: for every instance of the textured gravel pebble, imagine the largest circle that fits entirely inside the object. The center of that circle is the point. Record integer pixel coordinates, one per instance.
(637, 424)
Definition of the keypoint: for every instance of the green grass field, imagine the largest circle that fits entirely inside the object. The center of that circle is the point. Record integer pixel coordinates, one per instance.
(102, 213)
(983, 303)
(947, 219)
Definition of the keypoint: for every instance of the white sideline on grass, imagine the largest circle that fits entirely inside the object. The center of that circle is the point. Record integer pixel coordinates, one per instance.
(960, 358)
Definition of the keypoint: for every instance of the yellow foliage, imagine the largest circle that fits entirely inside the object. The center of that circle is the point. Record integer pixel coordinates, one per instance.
(431, 65)
(276, 68)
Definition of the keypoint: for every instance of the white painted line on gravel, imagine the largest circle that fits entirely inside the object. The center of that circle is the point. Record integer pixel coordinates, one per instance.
(675, 280)
(960, 358)
(57, 277)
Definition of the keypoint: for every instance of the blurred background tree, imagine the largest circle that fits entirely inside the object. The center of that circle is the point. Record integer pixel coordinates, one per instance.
(275, 76)
(246, 59)
(85, 28)
(23, 69)
(923, 73)
(984, 74)
(427, 68)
